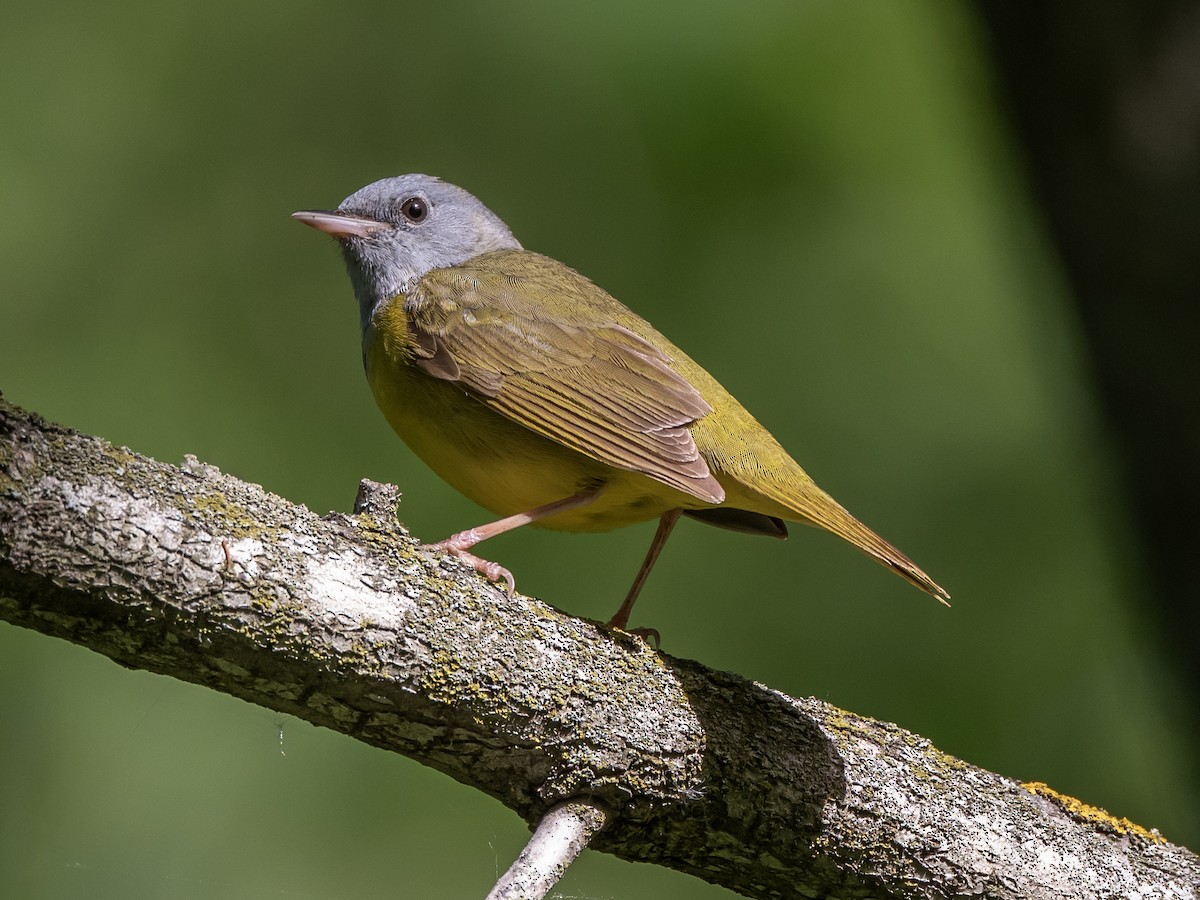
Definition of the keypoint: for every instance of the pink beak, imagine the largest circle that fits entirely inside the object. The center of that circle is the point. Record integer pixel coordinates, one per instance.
(338, 224)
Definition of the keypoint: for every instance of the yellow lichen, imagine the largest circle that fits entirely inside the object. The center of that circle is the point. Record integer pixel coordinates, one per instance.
(239, 521)
(121, 455)
(1093, 814)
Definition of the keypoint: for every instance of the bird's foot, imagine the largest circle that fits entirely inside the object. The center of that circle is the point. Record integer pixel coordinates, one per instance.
(456, 545)
(646, 634)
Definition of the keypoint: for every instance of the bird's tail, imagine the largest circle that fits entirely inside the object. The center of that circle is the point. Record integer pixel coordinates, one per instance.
(822, 510)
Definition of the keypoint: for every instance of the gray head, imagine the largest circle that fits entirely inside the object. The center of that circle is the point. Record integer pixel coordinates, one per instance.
(394, 231)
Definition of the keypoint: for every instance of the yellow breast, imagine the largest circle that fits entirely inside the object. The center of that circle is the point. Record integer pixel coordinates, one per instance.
(488, 458)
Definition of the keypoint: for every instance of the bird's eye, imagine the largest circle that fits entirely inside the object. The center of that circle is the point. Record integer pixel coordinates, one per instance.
(415, 209)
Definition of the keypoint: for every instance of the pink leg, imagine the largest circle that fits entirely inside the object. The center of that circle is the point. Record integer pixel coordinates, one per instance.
(458, 544)
(665, 524)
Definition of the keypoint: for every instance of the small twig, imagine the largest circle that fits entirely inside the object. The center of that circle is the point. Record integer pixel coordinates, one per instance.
(562, 834)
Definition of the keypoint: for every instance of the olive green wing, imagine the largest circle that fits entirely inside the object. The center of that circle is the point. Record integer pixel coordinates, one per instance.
(528, 337)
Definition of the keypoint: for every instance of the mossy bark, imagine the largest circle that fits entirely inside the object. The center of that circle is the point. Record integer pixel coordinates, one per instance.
(345, 621)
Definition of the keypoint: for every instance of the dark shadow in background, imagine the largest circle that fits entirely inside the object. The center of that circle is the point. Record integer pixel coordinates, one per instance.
(1105, 101)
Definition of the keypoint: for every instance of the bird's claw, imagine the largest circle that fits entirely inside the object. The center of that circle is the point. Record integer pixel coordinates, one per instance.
(457, 545)
(646, 634)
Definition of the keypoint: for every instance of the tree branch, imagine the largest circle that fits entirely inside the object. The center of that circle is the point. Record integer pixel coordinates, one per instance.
(560, 836)
(344, 621)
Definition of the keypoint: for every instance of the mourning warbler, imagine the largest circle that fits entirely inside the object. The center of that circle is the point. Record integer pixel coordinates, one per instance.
(545, 400)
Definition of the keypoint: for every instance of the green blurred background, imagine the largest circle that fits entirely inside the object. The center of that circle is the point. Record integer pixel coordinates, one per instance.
(818, 201)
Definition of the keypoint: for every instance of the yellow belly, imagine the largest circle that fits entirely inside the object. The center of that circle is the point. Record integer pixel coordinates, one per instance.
(500, 465)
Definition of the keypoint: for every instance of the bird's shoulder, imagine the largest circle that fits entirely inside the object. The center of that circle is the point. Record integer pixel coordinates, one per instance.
(524, 284)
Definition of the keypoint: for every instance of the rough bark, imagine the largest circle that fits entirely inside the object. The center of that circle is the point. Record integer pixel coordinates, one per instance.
(345, 621)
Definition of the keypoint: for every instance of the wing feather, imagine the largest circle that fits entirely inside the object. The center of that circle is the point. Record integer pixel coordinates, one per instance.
(581, 379)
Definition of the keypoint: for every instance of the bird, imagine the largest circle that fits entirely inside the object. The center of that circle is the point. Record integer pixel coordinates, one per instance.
(538, 395)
